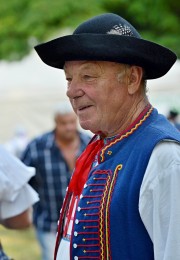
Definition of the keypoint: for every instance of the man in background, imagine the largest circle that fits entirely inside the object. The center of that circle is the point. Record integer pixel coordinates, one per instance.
(53, 154)
(173, 118)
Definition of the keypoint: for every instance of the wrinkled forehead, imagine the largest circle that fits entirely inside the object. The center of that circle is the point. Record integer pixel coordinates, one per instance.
(98, 66)
(81, 65)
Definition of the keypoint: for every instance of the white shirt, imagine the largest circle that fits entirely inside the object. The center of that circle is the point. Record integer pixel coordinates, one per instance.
(159, 203)
(15, 194)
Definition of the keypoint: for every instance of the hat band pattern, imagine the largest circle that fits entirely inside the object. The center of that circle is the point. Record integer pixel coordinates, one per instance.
(121, 30)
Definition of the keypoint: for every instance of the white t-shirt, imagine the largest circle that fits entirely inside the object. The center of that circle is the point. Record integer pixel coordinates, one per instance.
(15, 194)
(159, 203)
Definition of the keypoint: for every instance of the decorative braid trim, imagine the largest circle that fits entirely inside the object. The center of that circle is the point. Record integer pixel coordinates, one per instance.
(107, 211)
(101, 219)
(131, 131)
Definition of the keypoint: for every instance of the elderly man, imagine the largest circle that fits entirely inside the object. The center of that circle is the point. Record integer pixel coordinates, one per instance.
(122, 201)
(53, 155)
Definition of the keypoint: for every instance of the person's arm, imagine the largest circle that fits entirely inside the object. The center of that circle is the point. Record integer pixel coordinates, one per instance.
(17, 214)
(21, 221)
(159, 204)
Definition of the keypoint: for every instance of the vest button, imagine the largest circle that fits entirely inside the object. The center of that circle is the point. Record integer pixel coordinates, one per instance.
(75, 245)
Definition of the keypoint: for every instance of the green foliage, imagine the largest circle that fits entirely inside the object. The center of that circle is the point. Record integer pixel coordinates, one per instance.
(23, 23)
(156, 20)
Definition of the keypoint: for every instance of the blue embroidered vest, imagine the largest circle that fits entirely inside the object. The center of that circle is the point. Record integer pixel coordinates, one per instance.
(107, 222)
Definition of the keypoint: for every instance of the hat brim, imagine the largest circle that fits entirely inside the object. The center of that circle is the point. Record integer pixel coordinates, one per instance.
(155, 59)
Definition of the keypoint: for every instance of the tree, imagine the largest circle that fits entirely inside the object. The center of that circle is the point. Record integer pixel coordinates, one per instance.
(24, 23)
(156, 20)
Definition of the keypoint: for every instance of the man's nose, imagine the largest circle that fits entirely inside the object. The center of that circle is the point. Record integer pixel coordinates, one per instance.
(74, 90)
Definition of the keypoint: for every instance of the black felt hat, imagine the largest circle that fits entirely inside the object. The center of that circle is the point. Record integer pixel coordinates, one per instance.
(108, 37)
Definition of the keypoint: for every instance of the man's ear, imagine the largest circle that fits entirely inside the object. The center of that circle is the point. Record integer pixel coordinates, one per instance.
(134, 79)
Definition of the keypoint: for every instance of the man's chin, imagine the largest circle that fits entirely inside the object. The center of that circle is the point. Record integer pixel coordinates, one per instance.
(87, 125)
(70, 137)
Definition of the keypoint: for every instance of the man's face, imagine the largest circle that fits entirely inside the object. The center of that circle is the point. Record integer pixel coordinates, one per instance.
(97, 91)
(66, 126)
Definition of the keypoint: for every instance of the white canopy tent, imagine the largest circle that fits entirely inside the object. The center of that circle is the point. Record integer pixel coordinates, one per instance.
(29, 90)
(164, 92)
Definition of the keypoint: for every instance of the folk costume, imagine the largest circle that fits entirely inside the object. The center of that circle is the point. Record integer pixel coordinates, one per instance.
(106, 222)
(101, 217)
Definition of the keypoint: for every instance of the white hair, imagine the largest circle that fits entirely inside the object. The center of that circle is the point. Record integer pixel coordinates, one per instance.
(63, 108)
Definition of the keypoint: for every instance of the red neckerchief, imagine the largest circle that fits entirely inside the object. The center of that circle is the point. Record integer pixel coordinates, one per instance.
(83, 166)
(79, 178)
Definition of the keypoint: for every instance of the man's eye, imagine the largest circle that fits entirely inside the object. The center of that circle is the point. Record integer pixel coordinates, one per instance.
(69, 79)
(88, 77)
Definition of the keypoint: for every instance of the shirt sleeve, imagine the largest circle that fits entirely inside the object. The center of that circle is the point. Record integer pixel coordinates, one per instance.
(13, 175)
(159, 203)
(29, 156)
(25, 198)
